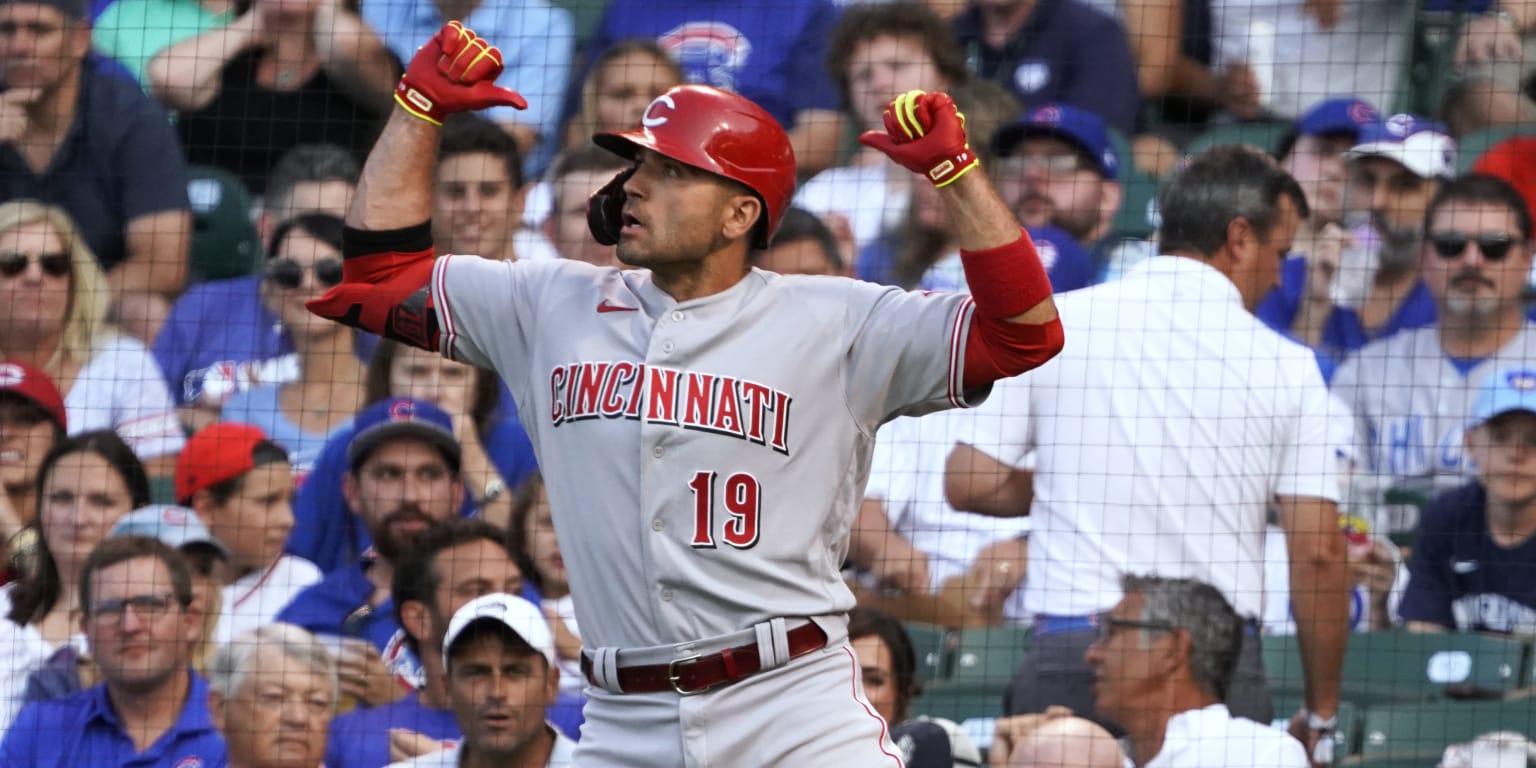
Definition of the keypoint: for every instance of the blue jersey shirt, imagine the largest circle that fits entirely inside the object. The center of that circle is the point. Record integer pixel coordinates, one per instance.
(1459, 578)
(1343, 332)
(82, 731)
(337, 606)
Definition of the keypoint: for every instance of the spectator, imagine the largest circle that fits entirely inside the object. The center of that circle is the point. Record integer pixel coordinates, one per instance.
(240, 484)
(94, 145)
(272, 693)
(180, 529)
(150, 708)
(536, 42)
(452, 564)
(532, 542)
(1494, 58)
(32, 421)
(497, 453)
(1053, 52)
(1475, 556)
(404, 480)
(477, 192)
(575, 174)
(1411, 393)
(278, 76)
(1058, 168)
(133, 31)
(802, 246)
(774, 59)
(303, 262)
(620, 85)
(56, 322)
(876, 54)
(221, 338)
(1163, 660)
(1227, 219)
(1314, 149)
(86, 483)
(501, 673)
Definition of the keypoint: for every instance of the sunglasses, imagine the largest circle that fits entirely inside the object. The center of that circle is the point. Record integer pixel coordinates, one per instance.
(1451, 245)
(287, 273)
(52, 264)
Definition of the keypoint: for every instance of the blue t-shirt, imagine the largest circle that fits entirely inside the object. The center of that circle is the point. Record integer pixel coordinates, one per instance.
(773, 53)
(1343, 332)
(259, 407)
(82, 731)
(360, 738)
(1067, 53)
(1459, 578)
(119, 161)
(337, 607)
(326, 533)
(220, 339)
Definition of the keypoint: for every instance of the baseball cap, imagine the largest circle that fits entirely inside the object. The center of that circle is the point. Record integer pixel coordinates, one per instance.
(935, 743)
(512, 612)
(177, 527)
(1512, 389)
(74, 9)
(36, 387)
(402, 417)
(218, 453)
(1337, 116)
(1080, 128)
(1417, 144)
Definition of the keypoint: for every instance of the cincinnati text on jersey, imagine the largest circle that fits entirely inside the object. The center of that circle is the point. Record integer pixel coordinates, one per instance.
(705, 402)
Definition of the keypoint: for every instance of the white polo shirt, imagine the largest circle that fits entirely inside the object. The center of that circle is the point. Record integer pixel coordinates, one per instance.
(257, 597)
(1162, 433)
(1213, 738)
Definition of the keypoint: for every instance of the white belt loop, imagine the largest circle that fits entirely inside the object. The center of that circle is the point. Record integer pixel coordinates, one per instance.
(772, 643)
(605, 669)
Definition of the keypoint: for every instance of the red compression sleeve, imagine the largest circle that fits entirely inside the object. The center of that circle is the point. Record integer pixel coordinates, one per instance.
(384, 288)
(1005, 282)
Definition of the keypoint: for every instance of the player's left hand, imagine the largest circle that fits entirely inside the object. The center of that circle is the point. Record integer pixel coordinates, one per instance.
(925, 133)
(455, 71)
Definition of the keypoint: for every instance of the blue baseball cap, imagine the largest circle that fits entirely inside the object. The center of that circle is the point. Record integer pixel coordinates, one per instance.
(1506, 391)
(1420, 145)
(1337, 116)
(402, 417)
(1080, 128)
(177, 527)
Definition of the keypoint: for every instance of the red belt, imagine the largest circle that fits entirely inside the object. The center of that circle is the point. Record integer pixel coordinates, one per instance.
(697, 674)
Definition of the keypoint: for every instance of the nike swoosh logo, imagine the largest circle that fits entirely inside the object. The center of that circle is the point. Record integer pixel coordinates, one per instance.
(608, 306)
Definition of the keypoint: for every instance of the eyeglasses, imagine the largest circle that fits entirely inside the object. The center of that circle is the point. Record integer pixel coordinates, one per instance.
(1451, 245)
(52, 264)
(287, 273)
(1050, 165)
(1108, 626)
(148, 607)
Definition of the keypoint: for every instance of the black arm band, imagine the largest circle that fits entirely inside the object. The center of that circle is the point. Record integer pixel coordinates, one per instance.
(367, 242)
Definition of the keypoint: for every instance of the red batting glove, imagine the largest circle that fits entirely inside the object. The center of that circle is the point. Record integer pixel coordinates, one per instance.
(454, 72)
(925, 134)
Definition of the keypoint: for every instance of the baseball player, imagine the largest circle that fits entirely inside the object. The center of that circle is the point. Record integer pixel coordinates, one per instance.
(704, 428)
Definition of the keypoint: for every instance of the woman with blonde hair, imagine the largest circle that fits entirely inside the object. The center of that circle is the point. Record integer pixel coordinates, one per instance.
(53, 317)
(622, 83)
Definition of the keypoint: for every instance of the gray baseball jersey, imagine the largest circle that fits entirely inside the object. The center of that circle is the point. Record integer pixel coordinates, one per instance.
(1412, 405)
(705, 458)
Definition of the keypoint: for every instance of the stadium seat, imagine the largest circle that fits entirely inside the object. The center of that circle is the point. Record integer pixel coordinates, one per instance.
(1263, 135)
(1403, 667)
(929, 645)
(960, 701)
(1421, 732)
(1471, 147)
(224, 240)
(1400, 513)
(988, 655)
(1137, 217)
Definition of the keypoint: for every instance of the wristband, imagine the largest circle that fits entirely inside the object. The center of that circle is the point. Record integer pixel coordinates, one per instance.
(1319, 723)
(417, 103)
(1007, 280)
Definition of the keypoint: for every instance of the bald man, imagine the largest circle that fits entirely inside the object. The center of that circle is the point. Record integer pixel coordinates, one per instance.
(1067, 742)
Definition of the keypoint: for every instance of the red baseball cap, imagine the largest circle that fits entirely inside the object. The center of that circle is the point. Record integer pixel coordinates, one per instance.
(36, 387)
(218, 452)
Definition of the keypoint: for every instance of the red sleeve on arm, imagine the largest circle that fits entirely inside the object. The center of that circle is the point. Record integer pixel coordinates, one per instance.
(1007, 281)
(384, 286)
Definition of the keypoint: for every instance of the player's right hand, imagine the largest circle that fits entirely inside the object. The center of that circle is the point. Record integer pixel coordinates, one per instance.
(925, 133)
(454, 72)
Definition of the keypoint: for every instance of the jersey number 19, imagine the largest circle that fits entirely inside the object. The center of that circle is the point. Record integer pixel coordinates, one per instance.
(742, 499)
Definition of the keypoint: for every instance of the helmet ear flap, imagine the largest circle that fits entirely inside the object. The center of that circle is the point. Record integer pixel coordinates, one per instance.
(605, 209)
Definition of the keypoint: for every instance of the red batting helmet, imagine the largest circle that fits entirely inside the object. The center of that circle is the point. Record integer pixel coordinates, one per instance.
(715, 130)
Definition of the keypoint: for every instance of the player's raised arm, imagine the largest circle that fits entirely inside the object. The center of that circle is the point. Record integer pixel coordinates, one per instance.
(1015, 327)
(388, 242)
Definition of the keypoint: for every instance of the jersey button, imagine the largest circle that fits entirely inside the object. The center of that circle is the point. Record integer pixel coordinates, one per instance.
(657, 524)
(678, 317)
(666, 595)
(657, 451)
(666, 346)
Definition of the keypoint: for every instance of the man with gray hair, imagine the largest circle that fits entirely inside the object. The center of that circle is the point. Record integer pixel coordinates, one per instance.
(1162, 436)
(1162, 660)
(272, 692)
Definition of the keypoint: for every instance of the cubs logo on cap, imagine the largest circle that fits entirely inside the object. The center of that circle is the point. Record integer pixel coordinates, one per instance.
(1080, 128)
(35, 387)
(402, 417)
(1422, 146)
(1505, 391)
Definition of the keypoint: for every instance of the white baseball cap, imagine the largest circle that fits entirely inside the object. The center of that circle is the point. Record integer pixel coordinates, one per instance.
(513, 612)
(1420, 146)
